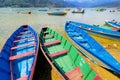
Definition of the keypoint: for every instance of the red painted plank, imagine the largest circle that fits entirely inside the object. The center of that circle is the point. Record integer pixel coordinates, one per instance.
(97, 78)
(24, 39)
(58, 53)
(23, 78)
(21, 55)
(24, 32)
(25, 35)
(74, 74)
(115, 28)
(32, 43)
(51, 43)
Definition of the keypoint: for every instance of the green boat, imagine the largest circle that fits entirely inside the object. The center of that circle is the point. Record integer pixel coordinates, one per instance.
(64, 58)
(100, 9)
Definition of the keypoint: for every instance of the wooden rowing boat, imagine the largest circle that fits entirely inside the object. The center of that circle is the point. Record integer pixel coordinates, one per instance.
(113, 24)
(64, 58)
(91, 48)
(59, 13)
(19, 54)
(97, 30)
(79, 11)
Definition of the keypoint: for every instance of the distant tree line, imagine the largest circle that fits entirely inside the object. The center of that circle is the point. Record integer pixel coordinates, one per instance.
(33, 3)
(17, 3)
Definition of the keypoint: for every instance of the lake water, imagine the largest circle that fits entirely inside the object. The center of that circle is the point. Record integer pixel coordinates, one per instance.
(12, 18)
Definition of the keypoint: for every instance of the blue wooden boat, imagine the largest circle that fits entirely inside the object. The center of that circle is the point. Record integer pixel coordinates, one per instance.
(91, 48)
(97, 30)
(113, 24)
(57, 13)
(19, 54)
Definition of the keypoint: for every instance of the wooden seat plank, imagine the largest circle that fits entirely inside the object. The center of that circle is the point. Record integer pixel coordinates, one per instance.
(21, 55)
(46, 32)
(32, 43)
(24, 32)
(23, 39)
(46, 37)
(74, 74)
(23, 78)
(58, 53)
(51, 43)
(24, 35)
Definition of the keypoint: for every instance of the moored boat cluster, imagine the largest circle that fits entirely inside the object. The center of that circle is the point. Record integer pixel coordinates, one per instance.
(19, 55)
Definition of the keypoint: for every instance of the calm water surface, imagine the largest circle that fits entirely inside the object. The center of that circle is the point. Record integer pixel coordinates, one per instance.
(12, 18)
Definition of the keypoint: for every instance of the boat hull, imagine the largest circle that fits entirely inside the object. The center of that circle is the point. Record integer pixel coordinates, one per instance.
(56, 13)
(78, 12)
(21, 54)
(99, 31)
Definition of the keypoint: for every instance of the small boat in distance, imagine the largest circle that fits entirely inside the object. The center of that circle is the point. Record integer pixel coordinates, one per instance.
(64, 58)
(29, 12)
(42, 10)
(19, 55)
(98, 31)
(100, 9)
(91, 48)
(113, 23)
(78, 11)
(59, 13)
